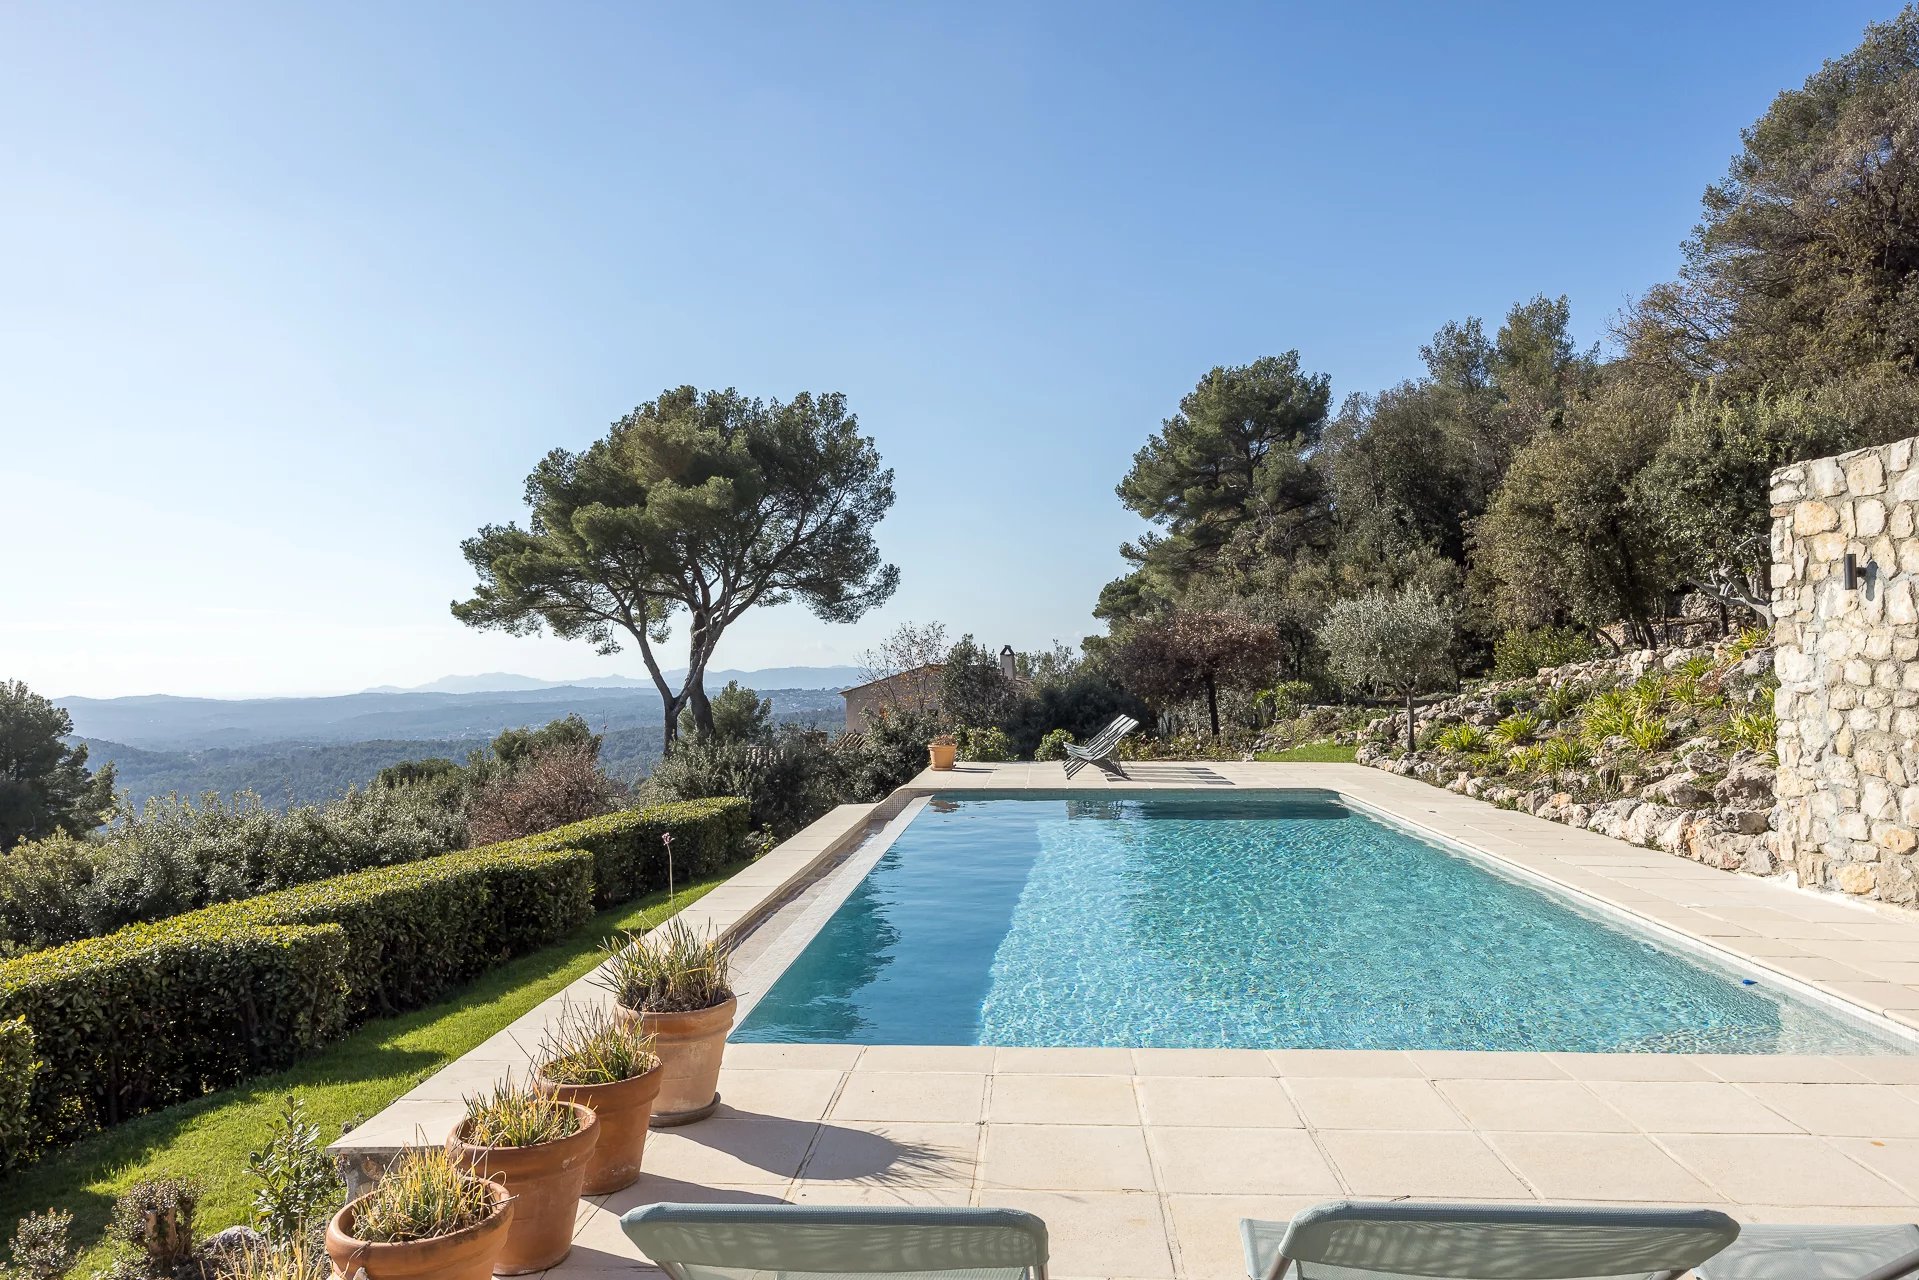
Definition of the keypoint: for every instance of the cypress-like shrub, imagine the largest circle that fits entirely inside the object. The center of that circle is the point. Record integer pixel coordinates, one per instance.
(629, 858)
(17, 1068)
(157, 1013)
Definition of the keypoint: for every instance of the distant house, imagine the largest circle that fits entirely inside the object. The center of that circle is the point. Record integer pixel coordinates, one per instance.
(918, 688)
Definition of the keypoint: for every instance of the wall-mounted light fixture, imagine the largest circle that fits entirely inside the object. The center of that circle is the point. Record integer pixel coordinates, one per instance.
(1854, 576)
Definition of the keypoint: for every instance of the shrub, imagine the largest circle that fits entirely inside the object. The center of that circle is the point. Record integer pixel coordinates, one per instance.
(1609, 715)
(1525, 759)
(172, 855)
(1053, 745)
(1755, 730)
(629, 858)
(512, 1115)
(671, 970)
(42, 1246)
(157, 1013)
(1564, 753)
(592, 1046)
(1466, 739)
(1522, 653)
(1517, 730)
(155, 1216)
(985, 745)
(1648, 733)
(787, 782)
(893, 754)
(1562, 700)
(299, 1184)
(561, 785)
(426, 1194)
(1285, 700)
(18, 1066)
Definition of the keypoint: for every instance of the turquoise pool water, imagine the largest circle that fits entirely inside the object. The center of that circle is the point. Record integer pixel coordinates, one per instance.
(1247, 920)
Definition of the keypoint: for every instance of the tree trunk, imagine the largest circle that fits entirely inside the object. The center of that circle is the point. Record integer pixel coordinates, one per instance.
(1412, 739)
(696, 699)
(1212, 705)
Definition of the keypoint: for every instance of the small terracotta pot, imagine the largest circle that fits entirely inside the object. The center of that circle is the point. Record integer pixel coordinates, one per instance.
(464, 1255)
(941, 755)
(624, 1109)
(689, 1046)
(545, 1183)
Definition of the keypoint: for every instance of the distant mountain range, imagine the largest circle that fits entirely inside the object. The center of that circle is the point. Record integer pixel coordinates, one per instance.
(307, 749)
(767, 678)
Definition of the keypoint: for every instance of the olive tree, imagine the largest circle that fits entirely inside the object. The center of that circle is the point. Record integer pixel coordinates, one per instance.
(1396, 642)
(697, 506)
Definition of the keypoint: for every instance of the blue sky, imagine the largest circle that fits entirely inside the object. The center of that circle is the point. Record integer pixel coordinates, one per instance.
(292, 299)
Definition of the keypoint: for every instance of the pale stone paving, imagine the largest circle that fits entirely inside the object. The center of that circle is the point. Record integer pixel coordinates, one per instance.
(1142, 1162)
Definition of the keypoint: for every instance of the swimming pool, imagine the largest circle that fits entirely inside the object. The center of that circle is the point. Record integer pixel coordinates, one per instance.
(1246, 920)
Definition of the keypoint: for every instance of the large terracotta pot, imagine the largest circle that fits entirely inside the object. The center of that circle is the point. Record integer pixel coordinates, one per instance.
(545, 1183)
(624, 1109)
(689, 1046)
(941, 755)
(464, 1255)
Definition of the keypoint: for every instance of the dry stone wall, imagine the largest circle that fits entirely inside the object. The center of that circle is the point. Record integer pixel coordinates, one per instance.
(1846, 813)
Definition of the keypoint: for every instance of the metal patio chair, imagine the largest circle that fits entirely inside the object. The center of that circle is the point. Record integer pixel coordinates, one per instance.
(825, 1242)
(1794, 1252)
(1099, 748)
(1360, 1240)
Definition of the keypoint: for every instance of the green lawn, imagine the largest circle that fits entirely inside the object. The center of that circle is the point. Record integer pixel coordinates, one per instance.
(209, 1138)
(1311, 753)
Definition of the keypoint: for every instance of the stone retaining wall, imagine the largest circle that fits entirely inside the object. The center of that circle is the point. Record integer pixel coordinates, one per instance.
(1847, 792)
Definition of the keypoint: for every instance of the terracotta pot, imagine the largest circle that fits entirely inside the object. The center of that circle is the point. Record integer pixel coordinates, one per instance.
(942, 754)
(623, 1108)
(464, 1255)
(689, 1046)
(544, 1182)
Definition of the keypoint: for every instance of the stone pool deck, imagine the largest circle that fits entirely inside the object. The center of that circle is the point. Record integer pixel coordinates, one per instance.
(1143, 1161)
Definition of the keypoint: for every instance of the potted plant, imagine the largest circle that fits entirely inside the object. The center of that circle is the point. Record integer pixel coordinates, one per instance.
(606, 1063)
(673, 983)
(428, 1217)
(537, 1148)
(943, 751)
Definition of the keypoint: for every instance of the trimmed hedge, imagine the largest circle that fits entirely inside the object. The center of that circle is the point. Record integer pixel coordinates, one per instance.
(157, 1013)
(416, 931)
(628, 856)
(17, 1069)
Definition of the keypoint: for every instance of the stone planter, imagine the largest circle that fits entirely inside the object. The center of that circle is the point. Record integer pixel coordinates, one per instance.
(689, 1046)
(465, 1255)
(624, 1109)
(545, 1182)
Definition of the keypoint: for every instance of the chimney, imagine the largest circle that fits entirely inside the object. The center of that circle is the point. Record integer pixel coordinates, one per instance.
(1007, 666)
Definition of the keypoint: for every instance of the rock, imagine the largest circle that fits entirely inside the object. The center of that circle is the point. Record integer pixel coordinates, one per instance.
(1747, 822)
(1681, 790)
(1747, 784)
(1854, 878)
(1578, 815)
(1610, 819)
(1643, 823)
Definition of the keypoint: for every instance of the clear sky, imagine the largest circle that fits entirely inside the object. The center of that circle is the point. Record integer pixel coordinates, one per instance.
(292, 298)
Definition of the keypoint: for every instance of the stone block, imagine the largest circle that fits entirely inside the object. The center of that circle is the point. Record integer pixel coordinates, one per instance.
(1866, 474)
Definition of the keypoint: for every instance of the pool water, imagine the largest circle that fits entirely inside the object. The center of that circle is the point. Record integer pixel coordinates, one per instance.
(1251, 920)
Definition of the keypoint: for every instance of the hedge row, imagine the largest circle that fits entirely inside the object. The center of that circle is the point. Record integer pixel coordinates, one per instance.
(158, 1013)
(161, 1012)
(629, 857)
(17, 1067)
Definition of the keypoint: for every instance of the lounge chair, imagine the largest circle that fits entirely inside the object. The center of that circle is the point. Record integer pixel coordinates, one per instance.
(738, 1241)
(1100, 746)
(1817, 1253)
(1357, 1240)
